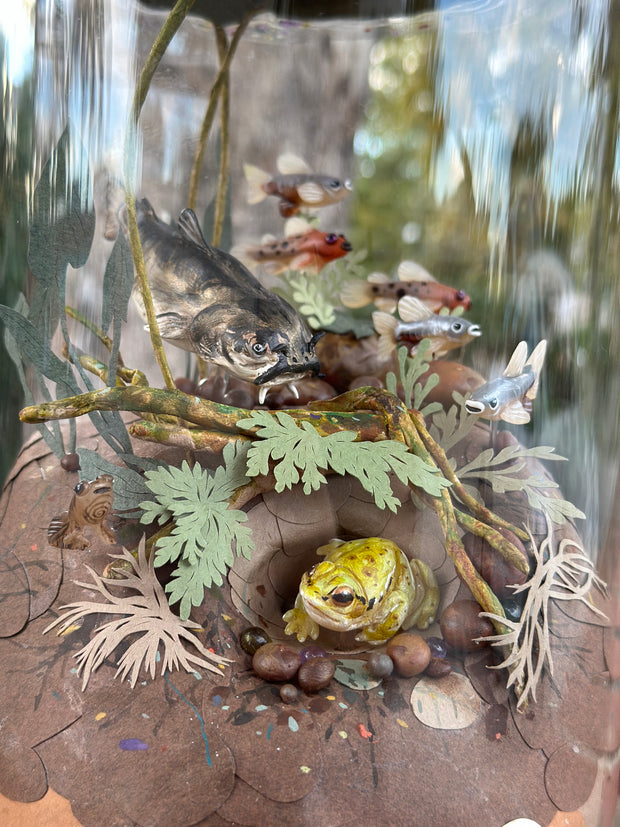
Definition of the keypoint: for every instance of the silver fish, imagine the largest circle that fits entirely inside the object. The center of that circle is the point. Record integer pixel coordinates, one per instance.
(418, 322)
(510, 396)
(207, 302)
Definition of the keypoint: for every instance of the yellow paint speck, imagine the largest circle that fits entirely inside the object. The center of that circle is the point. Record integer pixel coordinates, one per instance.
(402, 723)
(100, 715)
(23, 525)
(226, 617)
(343, 734)
(305, 769)
(331, 697)
(73, 628)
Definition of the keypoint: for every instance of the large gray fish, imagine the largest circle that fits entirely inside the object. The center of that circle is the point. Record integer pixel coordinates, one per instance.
(209, 303)
(510, 396)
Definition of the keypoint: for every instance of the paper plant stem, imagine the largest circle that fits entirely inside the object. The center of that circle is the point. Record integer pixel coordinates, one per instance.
(508, 550)
(222, 181)
(207, 123)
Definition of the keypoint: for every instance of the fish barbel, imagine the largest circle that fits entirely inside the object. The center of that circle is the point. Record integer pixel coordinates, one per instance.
(297, 186)
(417, 322)
(510, 396)
(304, 248)
(207, 302)
(413, 280)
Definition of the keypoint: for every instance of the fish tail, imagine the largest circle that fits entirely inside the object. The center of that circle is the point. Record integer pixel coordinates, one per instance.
(256, 178)
(356, 294)
(385, 325)
(536, 361)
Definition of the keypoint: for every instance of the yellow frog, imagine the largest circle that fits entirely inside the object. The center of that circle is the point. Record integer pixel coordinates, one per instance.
(366, 584)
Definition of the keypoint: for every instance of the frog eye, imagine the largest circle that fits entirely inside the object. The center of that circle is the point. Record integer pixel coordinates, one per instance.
(342, 595)
(79, 488)
(258, 348)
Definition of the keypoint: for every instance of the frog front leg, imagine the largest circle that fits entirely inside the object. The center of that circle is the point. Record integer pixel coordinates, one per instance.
(388, 622)
(298, 622)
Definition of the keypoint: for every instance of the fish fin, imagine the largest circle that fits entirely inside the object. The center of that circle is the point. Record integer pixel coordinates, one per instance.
(536, 362)
(412, 271)
(385, 325)
(297, 226)
(308, 262)
(172, 325)
(411, 309)
(256, 178)
(378, 278)
(311, 193)
(290, 164)
(355, 294)
(189, 228)
(386, 304)
(517, 361)
(515, 413)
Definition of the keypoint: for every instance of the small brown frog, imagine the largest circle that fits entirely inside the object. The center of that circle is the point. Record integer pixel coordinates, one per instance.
(90, 506)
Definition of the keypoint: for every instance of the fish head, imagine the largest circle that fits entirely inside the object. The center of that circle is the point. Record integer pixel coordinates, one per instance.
(260, 354)
(489, 400)
(329, 245)
(462, 330)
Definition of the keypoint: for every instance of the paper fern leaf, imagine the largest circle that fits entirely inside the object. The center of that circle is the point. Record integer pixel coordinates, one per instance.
(205, 529)
(145, 615)
(298, 453)
(565, 573)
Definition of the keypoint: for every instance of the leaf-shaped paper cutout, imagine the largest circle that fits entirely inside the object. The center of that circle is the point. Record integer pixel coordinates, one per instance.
(117, 286)
(63, 219)
(446, 703)
(352, 672)
(37, 352)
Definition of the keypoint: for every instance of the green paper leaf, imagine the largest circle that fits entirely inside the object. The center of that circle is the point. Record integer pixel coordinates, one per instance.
(207, 533)
(300, 453)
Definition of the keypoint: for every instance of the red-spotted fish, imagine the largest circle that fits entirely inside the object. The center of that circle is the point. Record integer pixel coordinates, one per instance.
(510, 396)
(206, 301)
(304, 248)
(296, 185)
(413, 280)
(417, 322)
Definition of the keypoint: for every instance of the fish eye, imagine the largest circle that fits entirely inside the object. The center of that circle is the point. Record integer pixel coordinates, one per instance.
(461, 294)
(493, 403)
(258, 348)
(457, 326)
(331, 238)
(342, 595)
(334, 184)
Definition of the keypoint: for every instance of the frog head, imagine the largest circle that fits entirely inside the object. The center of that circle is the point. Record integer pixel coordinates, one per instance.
(333, 596)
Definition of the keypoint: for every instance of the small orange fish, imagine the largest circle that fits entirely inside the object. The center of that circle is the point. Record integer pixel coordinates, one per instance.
(310, 251)
(297, 186)
(413, 280)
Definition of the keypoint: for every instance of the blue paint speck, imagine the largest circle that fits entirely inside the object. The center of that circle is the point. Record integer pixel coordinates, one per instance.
(269, 731)
(292, 724)
(260, 708)
(132, 744)
(217, 700)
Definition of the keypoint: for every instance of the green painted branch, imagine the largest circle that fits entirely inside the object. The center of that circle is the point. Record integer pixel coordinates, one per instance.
(176, 435)
(466, 570)
(202, 412)
(210, 113)
(508, 550)
(441, 460)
